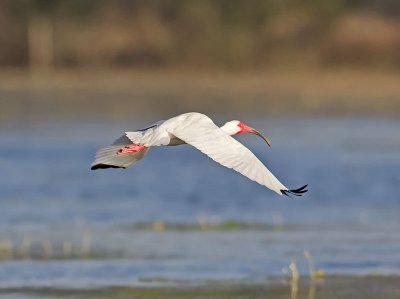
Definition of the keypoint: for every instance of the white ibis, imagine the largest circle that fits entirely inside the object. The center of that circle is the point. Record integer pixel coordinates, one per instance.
(199, 131)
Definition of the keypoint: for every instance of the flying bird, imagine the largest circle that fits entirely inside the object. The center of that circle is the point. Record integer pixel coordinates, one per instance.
(199, 131)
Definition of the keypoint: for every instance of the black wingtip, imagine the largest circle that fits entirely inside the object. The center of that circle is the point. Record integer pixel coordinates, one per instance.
(104, 166)
(296, 192)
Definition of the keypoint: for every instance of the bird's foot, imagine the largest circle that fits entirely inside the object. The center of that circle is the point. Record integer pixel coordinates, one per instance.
(130, 148)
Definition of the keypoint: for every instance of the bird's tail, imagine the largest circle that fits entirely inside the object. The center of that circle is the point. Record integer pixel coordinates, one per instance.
(116, 156)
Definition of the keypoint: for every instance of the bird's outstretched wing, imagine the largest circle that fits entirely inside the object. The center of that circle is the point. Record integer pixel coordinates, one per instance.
(108, 157)
(204, 135)
(112, 157)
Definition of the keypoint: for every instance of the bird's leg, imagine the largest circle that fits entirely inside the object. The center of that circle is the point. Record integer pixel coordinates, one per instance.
(131, 148)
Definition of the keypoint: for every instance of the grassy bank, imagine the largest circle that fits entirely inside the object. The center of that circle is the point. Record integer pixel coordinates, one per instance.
(123, 95)
(333, 287)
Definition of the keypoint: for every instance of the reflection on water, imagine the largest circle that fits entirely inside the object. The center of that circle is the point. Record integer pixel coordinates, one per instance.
(177, 215)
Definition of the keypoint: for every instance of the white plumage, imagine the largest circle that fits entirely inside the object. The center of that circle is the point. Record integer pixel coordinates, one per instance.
(199, 131)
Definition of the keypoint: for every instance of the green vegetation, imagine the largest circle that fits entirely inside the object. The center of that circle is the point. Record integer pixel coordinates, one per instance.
(333, 287)
(203, 34)
(43, 249)
(130, 59)
(206, 225)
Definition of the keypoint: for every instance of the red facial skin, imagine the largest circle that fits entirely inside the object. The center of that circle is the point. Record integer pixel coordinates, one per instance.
(244, 128)
(131, 148)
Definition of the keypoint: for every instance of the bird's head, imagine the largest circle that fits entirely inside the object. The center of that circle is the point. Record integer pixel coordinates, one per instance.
(235, 127)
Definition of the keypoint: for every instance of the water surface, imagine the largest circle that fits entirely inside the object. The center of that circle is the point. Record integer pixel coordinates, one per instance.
(161, 220)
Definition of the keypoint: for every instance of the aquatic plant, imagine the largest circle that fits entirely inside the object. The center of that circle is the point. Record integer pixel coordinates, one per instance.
(314, 274)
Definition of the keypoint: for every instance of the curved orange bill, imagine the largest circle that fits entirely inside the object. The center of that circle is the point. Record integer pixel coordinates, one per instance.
(254, 131)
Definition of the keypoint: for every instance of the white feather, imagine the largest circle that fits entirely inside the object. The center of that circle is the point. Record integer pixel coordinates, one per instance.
(201, 132)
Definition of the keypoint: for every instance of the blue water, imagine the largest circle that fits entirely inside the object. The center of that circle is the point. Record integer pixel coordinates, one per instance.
(349, 220)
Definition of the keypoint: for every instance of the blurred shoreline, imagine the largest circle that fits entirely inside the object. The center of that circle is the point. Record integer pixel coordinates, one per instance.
(331, 287)
(115, 94)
